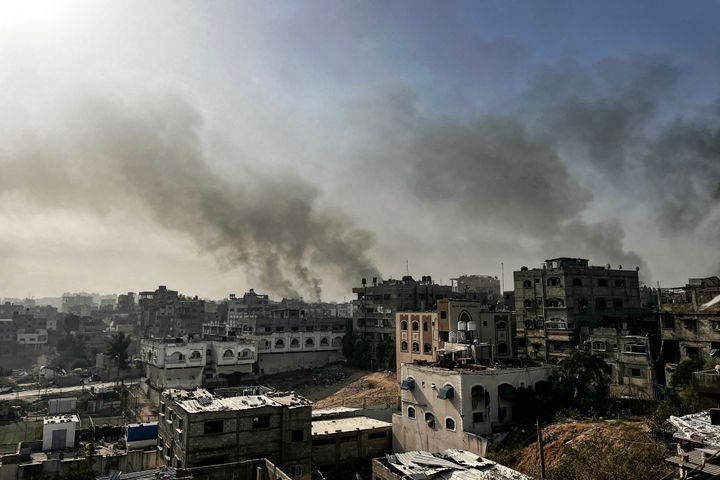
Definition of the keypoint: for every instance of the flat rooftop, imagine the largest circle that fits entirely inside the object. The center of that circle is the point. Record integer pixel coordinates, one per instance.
(200, 400)
(345, 425)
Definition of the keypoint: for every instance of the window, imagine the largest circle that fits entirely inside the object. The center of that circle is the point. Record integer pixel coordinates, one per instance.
(403, 325)
(716, 326)
(309, 328)
(443, 314)
(324, 342)
(323, 441)
(425, 327)
(635, 348)
(416, 347)
(352, 438)
(262, 421)
(296, 436)
(229, 354)
(691, 351)
(556, 324)
(294, 343)
(577, 282)
(296, 470)
(556, 303)
(195, 355)
(617, 304)
(502, 413)
(528, 303)
(502, 349)
(279, 343)
(553, 282)
(430, 419)
(415, 326)
(527, 284)
(690, 324)
(427, 348)
(279, 329)
(635, 372)
(583, 304)
(376, 435)
(450, 423)
(213, 426)
(404, 346)
(619, 283)
(600, 304)
(478, 417)
(478, 395)
(309, 342)
(411, 412)
(599, 346)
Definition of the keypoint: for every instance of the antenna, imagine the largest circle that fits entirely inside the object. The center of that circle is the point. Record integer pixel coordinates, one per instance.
(502, 277)
(407, 268)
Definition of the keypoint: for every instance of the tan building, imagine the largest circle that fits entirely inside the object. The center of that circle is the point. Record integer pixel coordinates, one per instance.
(444, 408)
(346, 439)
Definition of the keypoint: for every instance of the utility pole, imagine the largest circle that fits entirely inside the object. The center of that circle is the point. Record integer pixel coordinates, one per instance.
(540, 449)
(502, 278)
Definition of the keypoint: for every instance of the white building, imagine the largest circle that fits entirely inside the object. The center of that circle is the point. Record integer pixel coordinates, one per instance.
(172, 363)
(443, 408)
(59, 432)
(35, 339)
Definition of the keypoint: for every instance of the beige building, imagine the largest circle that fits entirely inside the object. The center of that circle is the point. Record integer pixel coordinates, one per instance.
(443, 408)
(351, 438)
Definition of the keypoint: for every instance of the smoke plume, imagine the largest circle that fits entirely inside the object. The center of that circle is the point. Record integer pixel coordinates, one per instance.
(108, 151)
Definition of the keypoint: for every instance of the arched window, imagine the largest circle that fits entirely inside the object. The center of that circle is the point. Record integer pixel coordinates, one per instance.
(427, 348)
(416, 347)
(404, 346)
(309, 342)
(411, 412)
(415, 326)
(324, 342)
(279, 343)
(430, 419)
(403, 325)
(294, 343)
(229, 354)
(195, 355)
(464, 317)
(502, 348)
(450, 423)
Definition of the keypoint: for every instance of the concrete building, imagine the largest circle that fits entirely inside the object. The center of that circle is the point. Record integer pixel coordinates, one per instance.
(8, 331)
(377, 304)
(482, 288)
(59, 432)
(36, 339)
(126, 303)
(443, 407)
(78, 303)
(449, 464)
(561, 303)
(631, 357)
(689, 327)
(199, 429)
(158, 312)
(339, 440)
(423, 335)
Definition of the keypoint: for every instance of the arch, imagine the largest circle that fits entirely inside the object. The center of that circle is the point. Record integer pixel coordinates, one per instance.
(449, 423)
(228, 354)
(502, 348)
(506, 391)
(309, 342)
(294, 343)
(176, 357)
(479, 395)
(411, 412)
(416, 347)
(195, 355)
(279, 343)
(427, 348)
(430, 419)
(415, 326)
(403, 325)
(464, 316)
(404, 346)
(246, 353)
(324, 342)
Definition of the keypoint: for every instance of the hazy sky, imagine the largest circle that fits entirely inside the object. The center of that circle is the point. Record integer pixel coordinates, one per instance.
(296, 146)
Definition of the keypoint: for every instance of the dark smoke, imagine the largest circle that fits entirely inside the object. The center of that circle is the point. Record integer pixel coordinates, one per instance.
(115, 152)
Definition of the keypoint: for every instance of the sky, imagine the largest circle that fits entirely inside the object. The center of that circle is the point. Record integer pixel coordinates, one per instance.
(295, 147)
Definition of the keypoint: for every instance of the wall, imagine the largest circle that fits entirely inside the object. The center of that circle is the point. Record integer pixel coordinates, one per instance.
(271, 363)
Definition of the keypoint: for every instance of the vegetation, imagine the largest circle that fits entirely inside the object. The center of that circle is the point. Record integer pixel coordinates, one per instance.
(117, 347)
(684, 398)
(355, 350)
(73, 353)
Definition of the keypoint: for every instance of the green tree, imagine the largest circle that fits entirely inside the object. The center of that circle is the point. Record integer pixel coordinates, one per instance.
(117, 347)
(73, 352)
(684, 370)
(581, 380)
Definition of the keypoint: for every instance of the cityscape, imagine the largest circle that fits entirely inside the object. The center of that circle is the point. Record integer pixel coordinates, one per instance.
(359, 240)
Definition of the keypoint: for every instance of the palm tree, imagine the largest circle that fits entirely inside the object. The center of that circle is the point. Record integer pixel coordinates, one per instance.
(583, 376)
(117, 347)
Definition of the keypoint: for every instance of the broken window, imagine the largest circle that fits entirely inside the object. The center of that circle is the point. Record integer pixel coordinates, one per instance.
(668, 321)
(427, 348)
(309, 342)
(425, 326)
(478, 417)
(635, 372)
(602, 282)
(553, 282)
(690, 324)
(213, 426)
(430, 419)
(279, 343)
(527, 284)
(619, 283)
(577, 282)
(263, 421)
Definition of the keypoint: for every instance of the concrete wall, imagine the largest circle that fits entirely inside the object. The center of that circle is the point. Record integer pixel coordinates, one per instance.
(332, 449)
(272, 363)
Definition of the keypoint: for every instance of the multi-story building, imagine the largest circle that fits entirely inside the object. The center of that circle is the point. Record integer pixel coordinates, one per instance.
(180, 363)
(423, 335)
(200, 429)
(376, 305)
(126, 303)
(562, 302)
(8, 332)
(482, 288)
(35, 339)
(688, 326)
(78, 303)
(632, 359)
(453, 408)
(158, 312)
(192, 313)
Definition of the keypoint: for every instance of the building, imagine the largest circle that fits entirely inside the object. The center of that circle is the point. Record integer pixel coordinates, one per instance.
(59, 432)
(158, 312)
(126, 303)
(36, 339)
(200, 429)
(423, 335)
(78, 303)
(688, 326)
(8, 332)
(256, 469)
(634, 371)
(448, 464)
(561, 303)
(482, 288)
(338, 440)
(377, 304)
(444, 407)
(698, 447)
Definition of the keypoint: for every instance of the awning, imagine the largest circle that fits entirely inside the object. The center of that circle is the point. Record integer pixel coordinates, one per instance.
(407, 384)
(446, 392)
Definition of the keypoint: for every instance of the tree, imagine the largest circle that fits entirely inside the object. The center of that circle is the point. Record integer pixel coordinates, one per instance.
(73, 352)
(117, 347)
(582, 380)
(684, 370)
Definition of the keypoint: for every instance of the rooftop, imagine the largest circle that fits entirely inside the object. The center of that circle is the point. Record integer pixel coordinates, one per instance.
(448, 465)
(696, 428)
(343, 425)
(200, 400)
(61, 419)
